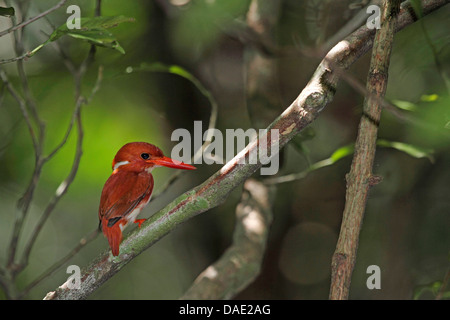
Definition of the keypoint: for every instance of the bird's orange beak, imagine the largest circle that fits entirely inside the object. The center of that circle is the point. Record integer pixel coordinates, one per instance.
(168, 162)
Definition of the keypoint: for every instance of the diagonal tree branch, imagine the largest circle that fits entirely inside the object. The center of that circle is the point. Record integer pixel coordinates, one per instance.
(306, 107)
(361, 178)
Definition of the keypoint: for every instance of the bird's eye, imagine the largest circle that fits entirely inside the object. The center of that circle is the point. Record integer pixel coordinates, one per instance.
(145, 156)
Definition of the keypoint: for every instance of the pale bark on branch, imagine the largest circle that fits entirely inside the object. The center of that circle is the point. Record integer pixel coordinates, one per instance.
(318, 93)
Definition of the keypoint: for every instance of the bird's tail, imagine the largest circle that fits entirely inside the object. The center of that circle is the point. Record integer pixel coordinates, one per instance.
(114, 236)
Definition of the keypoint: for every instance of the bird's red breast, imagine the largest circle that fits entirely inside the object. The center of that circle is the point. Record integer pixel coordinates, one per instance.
(129, 188)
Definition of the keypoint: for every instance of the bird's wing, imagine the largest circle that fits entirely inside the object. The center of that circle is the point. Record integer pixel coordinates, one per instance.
(122, 193)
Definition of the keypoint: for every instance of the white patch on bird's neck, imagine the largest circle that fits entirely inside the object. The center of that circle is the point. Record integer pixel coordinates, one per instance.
(149, 169)
(121, 163)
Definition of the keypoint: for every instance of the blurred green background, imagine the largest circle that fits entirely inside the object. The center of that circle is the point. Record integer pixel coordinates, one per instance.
(406, 224)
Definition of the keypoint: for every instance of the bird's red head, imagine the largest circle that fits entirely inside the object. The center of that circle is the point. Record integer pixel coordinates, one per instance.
(138, 156)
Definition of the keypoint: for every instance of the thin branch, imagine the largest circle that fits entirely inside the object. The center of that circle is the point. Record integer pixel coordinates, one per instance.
(70, 65)
(97, 85)
(63, 187)
(299, 175)
(241, 262)
(31, 20)
(81, 244)
(25, 201)
(74, 115)
(350, 26)
(98, 8)
(22, 105)
(13, 267)
(76, 119)
(20, 216)
(18, 58)
(387, 105)
(361, 178)
(19, 50)
(318, 93)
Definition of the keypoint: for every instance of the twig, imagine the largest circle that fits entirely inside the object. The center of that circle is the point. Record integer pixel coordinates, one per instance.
(82, 243)
(350, 26)
(31, 20)
(18, 58)
(97, 85)
(63, 187)
(298, 175)
(78, 75)
(25, 201)
(13, 267)
(19, 219)
(361, 178)
(22, 106)
(19, 50)
(241, 262)
(98, 8)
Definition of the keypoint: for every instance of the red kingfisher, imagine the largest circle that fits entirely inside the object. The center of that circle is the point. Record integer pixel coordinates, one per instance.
(129, 188)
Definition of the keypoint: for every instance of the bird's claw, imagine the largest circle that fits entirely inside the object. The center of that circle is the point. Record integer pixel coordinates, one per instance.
(140, 221)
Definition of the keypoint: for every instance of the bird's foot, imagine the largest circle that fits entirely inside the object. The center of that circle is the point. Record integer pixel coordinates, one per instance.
(140, 221)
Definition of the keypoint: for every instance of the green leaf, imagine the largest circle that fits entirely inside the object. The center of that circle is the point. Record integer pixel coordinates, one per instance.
(100, 37)
(181, 72)
(160, 67)
(429, 97)
(95, 24)
(404, 105)
(433, 287)
(7, 11)
(414, 151)
(177, 70)
(92, 30)
(342, 152)
(337, 155)
(349, 149)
